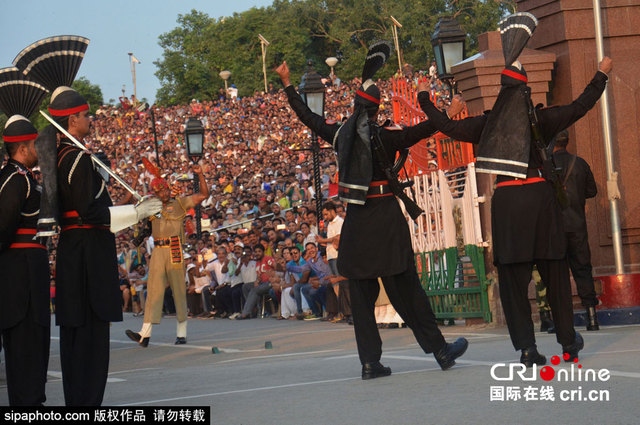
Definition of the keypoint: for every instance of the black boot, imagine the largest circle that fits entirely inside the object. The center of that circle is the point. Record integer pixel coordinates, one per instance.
(135, 336)
(374, 370)
(530, 356)
(592, 319)
(546, 324)
(572, 350)
(446, 356)
(180, 340)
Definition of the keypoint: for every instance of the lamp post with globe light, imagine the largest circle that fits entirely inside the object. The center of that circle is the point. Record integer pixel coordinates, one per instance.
(194, 140)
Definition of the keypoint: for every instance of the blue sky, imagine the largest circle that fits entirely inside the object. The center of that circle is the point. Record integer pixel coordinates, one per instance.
(115, 27)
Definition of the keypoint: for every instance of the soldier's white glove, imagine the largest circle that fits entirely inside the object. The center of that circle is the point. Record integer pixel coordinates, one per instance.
(123, 216)
(148, 206)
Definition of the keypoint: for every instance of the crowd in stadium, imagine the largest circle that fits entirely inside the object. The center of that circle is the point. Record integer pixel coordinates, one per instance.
(262, 195)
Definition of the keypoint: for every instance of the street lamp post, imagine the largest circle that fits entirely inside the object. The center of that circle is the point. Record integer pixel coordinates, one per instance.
(448, 42)
(225, 76)
(194, 139)
(312, 91)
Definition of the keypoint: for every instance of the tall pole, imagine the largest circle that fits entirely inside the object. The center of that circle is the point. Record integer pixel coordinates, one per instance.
(135, 92)
(394, 29)
(608, 150)
(133, 61)
(317, 178)
(264, 43)
(196, 189)
(155, 135)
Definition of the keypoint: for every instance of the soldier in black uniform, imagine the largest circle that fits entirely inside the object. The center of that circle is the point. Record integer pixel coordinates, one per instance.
(24, 270)
(580, 185)
(526, 217)
(87, 285)
(375, 240)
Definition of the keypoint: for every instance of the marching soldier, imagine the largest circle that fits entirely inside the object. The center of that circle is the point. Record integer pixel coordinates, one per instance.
(526, 217)
(374, 219)
(167, 266)
(24, 270)
(87, 286)
(24, 267)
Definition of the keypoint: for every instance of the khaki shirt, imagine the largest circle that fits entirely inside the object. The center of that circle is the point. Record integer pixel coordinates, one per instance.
(172, 221)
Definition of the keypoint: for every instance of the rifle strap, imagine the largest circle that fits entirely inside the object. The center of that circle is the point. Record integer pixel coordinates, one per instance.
(569, 170)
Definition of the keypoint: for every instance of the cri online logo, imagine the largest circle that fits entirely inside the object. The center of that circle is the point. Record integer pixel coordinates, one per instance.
(547, 373)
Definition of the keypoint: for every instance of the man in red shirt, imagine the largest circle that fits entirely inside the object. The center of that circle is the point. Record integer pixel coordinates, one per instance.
(265, 267)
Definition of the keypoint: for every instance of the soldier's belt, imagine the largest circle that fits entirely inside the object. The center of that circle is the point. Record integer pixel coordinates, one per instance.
(164, 242)
(520, 182)
(25, 239)
(72, 220)
(378, 189)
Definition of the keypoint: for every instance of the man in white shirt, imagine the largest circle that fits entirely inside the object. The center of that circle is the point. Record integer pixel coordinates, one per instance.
(218, 270)
(234, 269)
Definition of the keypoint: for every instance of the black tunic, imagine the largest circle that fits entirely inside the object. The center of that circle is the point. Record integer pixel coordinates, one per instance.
(580, 185)
(526, 220)
(87, 270)
(375, 239)
(24, 272)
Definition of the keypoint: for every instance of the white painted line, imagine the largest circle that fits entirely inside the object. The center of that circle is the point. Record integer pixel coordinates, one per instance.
(304, 353)
(431, 359)
(142, 369)
(249, 390)
(624, 374)
(57, 374)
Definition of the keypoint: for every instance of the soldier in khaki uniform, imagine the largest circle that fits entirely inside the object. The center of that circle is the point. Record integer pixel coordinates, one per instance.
(167, 266)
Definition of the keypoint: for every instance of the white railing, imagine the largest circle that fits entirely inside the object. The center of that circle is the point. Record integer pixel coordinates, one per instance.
(436, 228)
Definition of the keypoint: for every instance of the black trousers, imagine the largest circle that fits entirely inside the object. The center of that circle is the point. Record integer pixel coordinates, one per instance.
(579, 257)
(194, 303)
(514, 282)
(409, 300)
(340, 303)
(26, 352)
(84, 357)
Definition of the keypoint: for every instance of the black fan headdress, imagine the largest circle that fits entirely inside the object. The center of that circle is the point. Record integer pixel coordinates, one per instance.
(368, 94)
(515, 32)
(19, 95)
(19, 99)
(53, 61)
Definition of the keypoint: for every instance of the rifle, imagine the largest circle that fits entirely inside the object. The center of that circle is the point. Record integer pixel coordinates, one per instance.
(397, 187)
(549, 170)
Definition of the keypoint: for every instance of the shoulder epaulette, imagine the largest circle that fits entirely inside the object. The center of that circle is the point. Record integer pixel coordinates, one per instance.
(20, 172)
(65, 150)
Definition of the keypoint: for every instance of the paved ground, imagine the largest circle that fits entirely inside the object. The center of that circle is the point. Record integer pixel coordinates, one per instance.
(312, 376)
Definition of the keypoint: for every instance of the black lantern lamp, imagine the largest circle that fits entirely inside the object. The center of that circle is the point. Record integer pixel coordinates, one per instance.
(312, 91)
(194, 139)
(448, 47)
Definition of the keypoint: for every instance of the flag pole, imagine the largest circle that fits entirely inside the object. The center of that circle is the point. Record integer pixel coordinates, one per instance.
(264, 43)
(612, 175)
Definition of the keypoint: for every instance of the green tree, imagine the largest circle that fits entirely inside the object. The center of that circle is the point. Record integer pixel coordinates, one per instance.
(200, 46)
